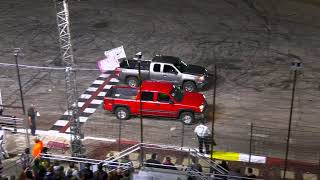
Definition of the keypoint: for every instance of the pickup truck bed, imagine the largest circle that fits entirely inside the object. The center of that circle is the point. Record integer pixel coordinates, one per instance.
(164, 68)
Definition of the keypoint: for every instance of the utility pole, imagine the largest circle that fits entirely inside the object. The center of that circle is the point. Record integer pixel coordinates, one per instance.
(16, 54)
(62, 13)
(295, 66)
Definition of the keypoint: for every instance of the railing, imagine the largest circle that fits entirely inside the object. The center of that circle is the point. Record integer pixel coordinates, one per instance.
(191, 151)
(16, 125)
(80, 160)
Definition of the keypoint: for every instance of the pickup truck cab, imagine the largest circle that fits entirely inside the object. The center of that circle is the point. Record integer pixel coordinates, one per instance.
(164, 68)
(161, 99)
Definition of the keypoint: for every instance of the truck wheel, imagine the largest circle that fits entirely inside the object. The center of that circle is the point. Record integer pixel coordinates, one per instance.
(187, 118)
(133, 82)
(189, 86)
(122, 113)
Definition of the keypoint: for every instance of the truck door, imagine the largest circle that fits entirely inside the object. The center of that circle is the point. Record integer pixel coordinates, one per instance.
(165, 105)
(170, 74)
(156, 72)
(148, 103)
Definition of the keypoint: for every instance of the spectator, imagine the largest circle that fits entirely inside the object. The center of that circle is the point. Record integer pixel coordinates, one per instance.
(45, 161)
(126, 175)
(59, 173)
(194, 167)
(72, 171)
(112, 165)
(100, 174)
(236, 175)
(26, 175)
(50, 174)
(25, 159)
(86, 172)
(3, 150)
(168, 164)
(203, 133)
(224, 165)
(126, 160)
(56, 166)
(38, 170)
(37, 148)
(153, 161)
(32, 119)
(250, 173)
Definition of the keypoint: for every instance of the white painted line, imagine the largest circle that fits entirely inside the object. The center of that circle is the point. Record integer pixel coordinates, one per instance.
(102, 94)
(97, 82)
(114, 80)
(260, 135)
(85, 96)
(66, 113)
(99, 139)
(53, 131)
(83, 119)
(255, 159)
(89, 110)
(104, 75)
(80, 104)
(61, 123)
(96, 101)
(108, 86)
(92, 89)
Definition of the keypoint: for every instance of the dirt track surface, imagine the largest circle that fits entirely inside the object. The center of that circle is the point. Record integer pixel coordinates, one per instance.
(252, 43)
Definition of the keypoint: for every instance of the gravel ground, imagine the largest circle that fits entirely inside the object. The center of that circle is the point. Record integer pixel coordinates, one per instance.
(251, 42)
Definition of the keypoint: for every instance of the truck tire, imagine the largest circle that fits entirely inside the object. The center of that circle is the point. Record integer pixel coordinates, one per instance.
(187, 117)
(189, 86)
(122, 113)
(132, 81)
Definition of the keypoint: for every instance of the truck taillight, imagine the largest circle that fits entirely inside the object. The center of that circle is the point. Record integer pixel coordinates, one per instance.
(108, 102)
(117, 72)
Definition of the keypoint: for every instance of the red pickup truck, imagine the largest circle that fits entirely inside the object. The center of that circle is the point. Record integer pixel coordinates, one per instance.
(157, 99)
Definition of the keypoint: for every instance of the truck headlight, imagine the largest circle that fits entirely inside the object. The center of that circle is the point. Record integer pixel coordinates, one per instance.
(201, 107)
(201, 78)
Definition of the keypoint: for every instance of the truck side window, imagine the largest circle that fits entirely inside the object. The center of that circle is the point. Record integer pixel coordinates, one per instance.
(163, 98)
(169, 69)
(147, 96)
(156, 68)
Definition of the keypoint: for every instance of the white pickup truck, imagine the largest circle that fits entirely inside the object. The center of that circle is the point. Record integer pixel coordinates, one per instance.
(164, 68)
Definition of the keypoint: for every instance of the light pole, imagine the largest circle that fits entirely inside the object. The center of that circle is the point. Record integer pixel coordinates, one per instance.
(139, 56)
(16, 54)
(296, 65)
(213, 108)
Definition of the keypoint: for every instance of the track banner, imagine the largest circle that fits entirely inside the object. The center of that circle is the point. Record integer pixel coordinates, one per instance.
(235, 156)
(110, 62)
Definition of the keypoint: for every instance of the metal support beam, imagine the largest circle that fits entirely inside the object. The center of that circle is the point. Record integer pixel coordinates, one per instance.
(63, 23)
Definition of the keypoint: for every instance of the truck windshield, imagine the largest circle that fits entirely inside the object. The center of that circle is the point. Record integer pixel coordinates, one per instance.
(177, 94)
(182, 66)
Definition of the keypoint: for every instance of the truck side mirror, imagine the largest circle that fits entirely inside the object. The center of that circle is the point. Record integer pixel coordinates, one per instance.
(170, 101)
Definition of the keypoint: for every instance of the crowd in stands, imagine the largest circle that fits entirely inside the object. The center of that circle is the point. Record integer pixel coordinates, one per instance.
(54, 171)
(196, 167)
(44, 169)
